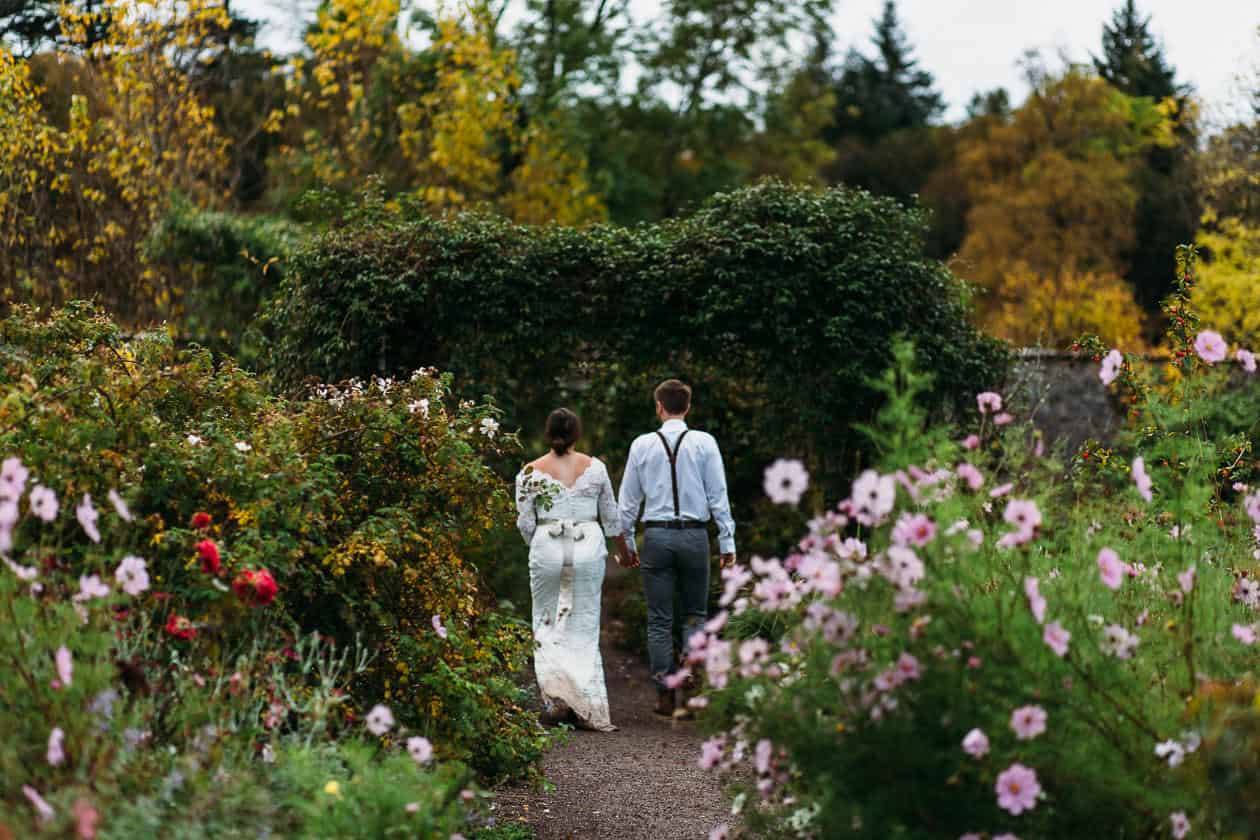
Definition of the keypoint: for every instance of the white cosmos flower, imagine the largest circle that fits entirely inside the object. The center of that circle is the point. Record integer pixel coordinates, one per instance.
(380, 720)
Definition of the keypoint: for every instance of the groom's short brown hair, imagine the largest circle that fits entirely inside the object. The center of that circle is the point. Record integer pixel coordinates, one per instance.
(674, 396)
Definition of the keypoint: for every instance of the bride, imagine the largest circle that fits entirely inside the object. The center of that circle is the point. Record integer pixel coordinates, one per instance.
(561, 500)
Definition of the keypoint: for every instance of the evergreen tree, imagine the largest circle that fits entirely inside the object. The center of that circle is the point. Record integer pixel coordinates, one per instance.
(1132, 60)
(1168, 207)
(878, 95)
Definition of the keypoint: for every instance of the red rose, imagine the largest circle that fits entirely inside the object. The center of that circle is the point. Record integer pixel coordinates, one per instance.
(180, 627)
(255, 588)
(209, 554)
(201, 520)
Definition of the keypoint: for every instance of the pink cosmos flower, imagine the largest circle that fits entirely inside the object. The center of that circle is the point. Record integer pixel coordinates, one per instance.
(1023, 514)
(1017, 789)
(762, 755)
(132, 575)
(971, 835)
(1210, 346)
(1006, 836)
(1119, 642)
(1111, 365)
(1036, 602)
(873, 496)
(43, 503)
(971, 442)
(438, 627)
(902, 566)
(1244, 634)
(1001, 490)
(914, 529)
(1002, 419)
(989, 402)
(1186, 580)
(1110, 569)
(1180, 824)
(677, 678)
(1057, 638)
(87, 516)
(1028, 722)
(1141, 479)
(785, 481)
(13, 479)
(973, 478)
(907, 667)
(90, 586)
(65, 666)
(420, 748)
(720, 832)
(1247, 359)
(42, 808)
(85, 819)
(120, 506)
(711, 752)
(976, 744)
(56, 752)
(1252, 504)
(1171, 751)
(379, 720)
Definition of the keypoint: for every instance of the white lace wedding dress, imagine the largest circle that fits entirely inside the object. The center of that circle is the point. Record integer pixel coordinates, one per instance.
(567, 556)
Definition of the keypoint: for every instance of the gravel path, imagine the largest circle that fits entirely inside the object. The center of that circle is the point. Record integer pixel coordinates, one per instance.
(637, 783)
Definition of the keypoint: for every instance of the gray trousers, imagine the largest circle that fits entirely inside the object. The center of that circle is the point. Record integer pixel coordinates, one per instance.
(673, 563)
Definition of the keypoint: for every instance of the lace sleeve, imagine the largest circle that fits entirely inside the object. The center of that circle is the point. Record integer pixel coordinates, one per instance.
(609, 514)
(526, 510)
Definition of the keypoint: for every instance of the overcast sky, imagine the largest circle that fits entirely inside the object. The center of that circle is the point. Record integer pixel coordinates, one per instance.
(974, 45)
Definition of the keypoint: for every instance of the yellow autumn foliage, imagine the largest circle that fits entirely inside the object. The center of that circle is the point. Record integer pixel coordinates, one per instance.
(1053, 200)
(1036, 310)
(80, 189)
(438, 124)
(1228, 293)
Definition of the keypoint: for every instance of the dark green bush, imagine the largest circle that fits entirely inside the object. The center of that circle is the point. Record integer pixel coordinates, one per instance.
(225, 266)
(775, 302)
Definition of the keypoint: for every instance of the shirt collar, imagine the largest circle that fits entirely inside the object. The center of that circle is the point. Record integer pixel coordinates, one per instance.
(673, 425)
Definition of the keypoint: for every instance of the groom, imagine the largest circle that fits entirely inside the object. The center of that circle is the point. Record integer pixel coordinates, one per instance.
(677, 474)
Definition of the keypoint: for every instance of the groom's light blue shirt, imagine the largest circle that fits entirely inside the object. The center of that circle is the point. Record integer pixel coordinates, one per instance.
(701, 483)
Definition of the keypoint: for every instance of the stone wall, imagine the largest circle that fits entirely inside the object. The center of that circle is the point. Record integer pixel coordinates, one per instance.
(1069, 403)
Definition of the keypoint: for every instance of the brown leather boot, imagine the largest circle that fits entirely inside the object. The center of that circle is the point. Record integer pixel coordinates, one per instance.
(664, 702)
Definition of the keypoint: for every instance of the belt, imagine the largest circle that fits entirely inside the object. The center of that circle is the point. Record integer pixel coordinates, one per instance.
(558, 527)
(677, 524)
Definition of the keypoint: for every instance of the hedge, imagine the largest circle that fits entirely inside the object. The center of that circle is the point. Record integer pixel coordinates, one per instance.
(778, 303)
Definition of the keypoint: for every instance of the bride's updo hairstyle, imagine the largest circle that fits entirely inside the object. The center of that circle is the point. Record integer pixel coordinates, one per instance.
(563, 430)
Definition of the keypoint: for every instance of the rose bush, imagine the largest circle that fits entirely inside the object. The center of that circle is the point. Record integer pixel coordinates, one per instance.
(984, 641)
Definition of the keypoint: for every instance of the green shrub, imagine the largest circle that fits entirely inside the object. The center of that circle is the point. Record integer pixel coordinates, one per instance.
(858, 683)
(773, 301)
(123, 718)
(227, 266)
(365, 502)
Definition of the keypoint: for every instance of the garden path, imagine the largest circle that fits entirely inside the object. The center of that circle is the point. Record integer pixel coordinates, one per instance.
(637, 783)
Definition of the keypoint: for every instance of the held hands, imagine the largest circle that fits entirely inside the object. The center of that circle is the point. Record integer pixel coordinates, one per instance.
(726, 560)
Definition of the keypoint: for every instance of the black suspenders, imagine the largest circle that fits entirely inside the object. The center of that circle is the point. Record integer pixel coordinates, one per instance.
(672, 455)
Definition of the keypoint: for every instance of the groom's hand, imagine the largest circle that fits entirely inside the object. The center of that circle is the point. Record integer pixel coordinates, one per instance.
(726, 560)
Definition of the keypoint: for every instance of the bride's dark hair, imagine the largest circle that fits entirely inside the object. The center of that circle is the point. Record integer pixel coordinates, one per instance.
(563, 430)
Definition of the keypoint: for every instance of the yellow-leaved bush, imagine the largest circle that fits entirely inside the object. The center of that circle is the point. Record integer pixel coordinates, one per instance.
(89, 157)
(1229, 287)
(440, 123)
